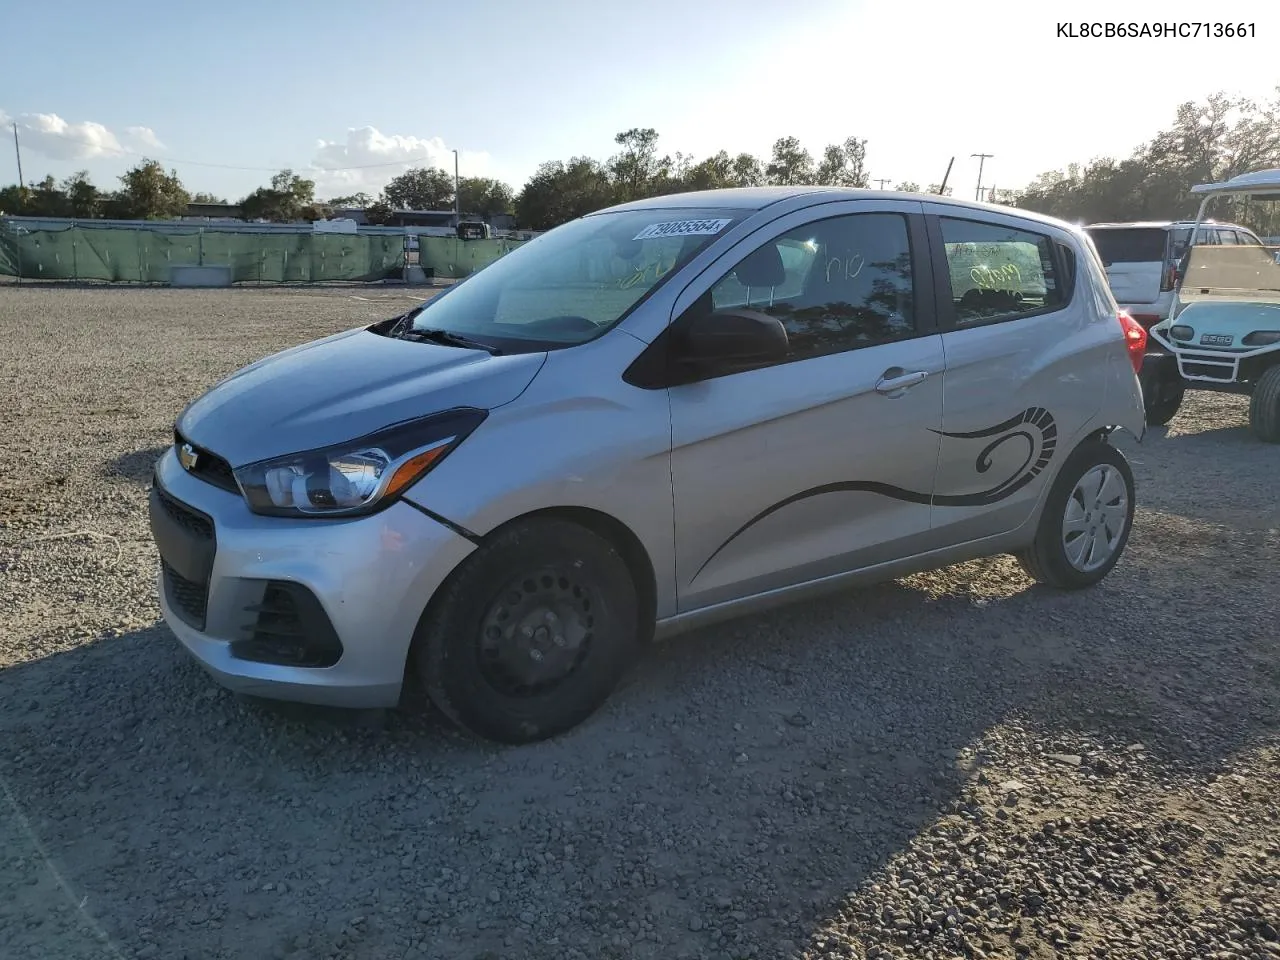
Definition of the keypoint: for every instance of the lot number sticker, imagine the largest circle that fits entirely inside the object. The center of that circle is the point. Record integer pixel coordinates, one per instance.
(682, 228)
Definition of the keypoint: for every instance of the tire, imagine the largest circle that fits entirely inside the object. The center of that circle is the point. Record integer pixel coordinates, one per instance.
(1047, 560)
(1162, 396)
(482, 684)
(1264, 406)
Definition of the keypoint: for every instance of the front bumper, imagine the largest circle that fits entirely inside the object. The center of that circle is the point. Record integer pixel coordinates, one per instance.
(370, 578)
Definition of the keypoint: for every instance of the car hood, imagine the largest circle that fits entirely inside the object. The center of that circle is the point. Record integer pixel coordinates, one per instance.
(342, 387)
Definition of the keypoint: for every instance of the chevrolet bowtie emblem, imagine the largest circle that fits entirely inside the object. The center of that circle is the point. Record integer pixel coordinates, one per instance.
(187, 457)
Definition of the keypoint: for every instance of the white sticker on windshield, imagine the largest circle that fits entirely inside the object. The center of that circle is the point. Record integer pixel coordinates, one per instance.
(682, 228)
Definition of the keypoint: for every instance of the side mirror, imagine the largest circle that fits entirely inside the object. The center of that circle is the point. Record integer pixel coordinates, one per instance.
(734, 336)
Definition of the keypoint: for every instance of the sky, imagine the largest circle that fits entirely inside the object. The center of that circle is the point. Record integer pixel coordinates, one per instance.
(351, 94)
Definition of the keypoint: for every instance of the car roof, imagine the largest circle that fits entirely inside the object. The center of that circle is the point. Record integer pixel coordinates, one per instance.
(751, 199)
(1163, 225)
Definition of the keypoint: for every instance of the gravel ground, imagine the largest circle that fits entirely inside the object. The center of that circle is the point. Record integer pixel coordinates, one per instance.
(951, 765)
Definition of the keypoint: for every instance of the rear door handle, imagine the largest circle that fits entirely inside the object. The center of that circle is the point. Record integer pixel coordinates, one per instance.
(895, 381)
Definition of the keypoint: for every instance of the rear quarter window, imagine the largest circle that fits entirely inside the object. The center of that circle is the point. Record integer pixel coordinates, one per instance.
(1135, 245)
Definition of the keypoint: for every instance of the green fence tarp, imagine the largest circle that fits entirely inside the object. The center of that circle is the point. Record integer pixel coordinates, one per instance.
(145, 256)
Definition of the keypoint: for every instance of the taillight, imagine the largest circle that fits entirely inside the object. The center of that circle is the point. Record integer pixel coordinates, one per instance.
(1135, 338)
(1170, 279)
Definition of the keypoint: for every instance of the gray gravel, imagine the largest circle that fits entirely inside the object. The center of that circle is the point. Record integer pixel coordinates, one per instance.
(951, 765)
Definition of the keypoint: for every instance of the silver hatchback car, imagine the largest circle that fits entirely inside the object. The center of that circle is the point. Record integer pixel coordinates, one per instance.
(663, 414)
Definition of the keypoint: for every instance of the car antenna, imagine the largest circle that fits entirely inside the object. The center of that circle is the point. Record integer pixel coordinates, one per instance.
(942, 190)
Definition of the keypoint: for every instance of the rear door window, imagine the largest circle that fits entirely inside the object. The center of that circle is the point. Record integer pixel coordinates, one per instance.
(998, 272)
(1130, 245)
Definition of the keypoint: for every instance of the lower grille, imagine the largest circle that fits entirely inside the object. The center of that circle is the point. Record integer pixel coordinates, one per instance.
(290, 628)
(189, 600)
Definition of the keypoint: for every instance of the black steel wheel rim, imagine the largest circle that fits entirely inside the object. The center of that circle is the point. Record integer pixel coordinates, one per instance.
(537, 632)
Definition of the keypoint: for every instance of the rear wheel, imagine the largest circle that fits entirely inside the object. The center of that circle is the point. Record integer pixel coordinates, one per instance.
(1162, 395)
(1264, 406)
(1086, 520)
(531, 634)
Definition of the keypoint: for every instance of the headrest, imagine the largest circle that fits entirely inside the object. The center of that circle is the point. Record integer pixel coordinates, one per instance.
(763, 268)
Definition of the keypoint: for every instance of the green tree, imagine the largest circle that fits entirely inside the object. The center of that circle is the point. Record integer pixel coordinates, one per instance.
(485, 196)
(791, 163)
(356, 200)
(714, 173)
(288, 199)
(559, 192)
(748, 171)
(1206, 142)
(637, 171)
(423, 188)
(908, 186)
(148, 193)
(843, 164)
(13, 200)
(207, 198)
(84, 200)
(379, 213)
(45, 199)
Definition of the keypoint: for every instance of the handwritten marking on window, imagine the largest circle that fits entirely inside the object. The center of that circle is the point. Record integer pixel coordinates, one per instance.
(1006, 278)
(849, 267)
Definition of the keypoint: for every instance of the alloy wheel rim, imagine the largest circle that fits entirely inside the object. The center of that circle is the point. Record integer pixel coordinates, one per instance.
(1095, 518)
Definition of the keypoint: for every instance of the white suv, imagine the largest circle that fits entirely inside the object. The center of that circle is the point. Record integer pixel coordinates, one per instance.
(1142, 260)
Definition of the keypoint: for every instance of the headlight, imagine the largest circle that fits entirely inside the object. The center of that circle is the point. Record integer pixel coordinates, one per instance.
(359, 477)
(1182, 332)
(1262, 338)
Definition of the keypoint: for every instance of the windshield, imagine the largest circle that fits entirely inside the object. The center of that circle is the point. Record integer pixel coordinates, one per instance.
(1232, 273)
(576, 281)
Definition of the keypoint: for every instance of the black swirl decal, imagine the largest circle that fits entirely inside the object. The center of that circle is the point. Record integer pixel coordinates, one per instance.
(1015, 427)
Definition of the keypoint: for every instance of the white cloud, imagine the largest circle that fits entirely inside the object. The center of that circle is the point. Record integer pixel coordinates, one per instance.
(142, 138)
(49, 135)
(368, 158)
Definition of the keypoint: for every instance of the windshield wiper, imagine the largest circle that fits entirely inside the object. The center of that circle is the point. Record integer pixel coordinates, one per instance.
(449, 339)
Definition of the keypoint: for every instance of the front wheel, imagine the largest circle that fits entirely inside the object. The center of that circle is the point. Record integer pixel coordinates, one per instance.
(1086, 520)
(531, 634)
(1264, 406)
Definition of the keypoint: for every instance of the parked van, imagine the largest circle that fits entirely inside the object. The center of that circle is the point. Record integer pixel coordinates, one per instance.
(664, 414)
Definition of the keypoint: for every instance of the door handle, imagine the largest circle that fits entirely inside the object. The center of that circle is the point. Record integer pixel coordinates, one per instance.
(895, 381)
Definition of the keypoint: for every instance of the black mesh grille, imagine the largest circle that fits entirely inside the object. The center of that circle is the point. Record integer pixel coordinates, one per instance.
(290, 627)
(189, 600)
(209, 467)
(187, 518)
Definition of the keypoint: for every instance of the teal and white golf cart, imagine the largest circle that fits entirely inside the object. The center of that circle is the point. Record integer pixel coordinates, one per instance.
(1223, 333)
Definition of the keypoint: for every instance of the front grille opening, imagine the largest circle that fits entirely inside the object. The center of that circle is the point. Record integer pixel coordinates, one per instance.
(188, 599)
(210, 467)
(189, 519)
(289, 628)
(1214, 371)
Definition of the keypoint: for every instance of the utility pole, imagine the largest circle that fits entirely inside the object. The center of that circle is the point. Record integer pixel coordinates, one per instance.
(457, 197)
(882, 182)
(982, 158)
(18, 150)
